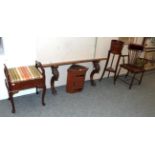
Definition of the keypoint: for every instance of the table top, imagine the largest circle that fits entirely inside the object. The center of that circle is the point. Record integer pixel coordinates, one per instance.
(73, 62)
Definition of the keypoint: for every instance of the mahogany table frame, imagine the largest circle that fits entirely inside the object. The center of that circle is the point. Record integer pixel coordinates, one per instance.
(55, 72)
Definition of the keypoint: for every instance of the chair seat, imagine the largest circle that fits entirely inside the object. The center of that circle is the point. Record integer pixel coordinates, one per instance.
(132, 68)
(24, 73)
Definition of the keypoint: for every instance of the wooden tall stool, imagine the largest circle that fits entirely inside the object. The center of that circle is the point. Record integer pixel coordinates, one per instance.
(26, 77)
(115, 51)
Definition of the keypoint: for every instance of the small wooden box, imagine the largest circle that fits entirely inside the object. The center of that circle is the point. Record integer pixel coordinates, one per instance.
(75, 78)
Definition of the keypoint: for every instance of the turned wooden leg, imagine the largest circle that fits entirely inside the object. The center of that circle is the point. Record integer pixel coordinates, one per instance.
(105, 67)
(117, 75)
(102, 74)
(12, 102)
(108, 74)
(54, 78)
(43, 95)
(96, 70)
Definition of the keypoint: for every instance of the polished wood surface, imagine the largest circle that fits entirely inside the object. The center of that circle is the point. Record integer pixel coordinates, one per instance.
(32, 83)
(55, 72)
(134, 65)
(115, 51)
(75, 78)
(72, 62)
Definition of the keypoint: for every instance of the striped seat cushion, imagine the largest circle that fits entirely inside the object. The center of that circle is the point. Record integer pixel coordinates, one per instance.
(25, 73)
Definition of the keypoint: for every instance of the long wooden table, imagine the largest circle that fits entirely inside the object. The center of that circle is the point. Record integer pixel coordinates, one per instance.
(55, 72)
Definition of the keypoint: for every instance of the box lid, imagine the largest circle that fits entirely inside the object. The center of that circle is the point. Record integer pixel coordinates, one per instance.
(77, 68)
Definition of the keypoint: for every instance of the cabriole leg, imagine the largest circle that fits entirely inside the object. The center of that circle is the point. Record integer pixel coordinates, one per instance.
(43, 96)
(54, 78)
(96, 70)
(12, 102)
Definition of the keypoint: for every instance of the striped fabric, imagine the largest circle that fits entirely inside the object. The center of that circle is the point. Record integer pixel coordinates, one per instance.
(24, 73)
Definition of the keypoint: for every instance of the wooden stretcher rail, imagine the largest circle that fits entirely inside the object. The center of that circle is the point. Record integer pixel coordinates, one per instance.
(149, 48)
(55, 72)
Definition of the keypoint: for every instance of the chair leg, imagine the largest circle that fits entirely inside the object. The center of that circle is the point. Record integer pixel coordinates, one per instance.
(102, 74)
(12, 102)
(108, 74)
(132, 80)
(117, 74)
(43, 95)
(140, 81)
(117, 65)
(104, 68)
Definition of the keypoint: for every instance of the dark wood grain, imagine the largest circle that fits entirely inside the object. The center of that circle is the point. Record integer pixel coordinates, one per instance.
(32, 83)
(114, 52)
(55, 72)
(72, 62)
(134, 65)
(54, 78)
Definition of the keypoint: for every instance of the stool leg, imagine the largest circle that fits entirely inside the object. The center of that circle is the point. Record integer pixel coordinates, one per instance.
(115, 76)
(105, 67)
(108, 74)
(12, 102)
(43, 95)
(103, 73)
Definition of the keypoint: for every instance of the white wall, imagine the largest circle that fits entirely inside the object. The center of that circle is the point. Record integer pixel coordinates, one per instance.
(58, 53)
(56, 49)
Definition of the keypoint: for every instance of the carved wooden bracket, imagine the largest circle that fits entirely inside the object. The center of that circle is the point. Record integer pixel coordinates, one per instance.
(54, 78)
(55, 72)
(96, 70)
